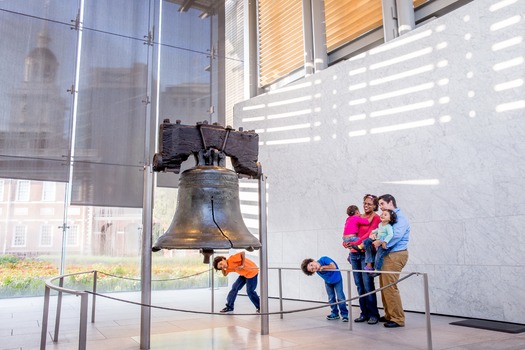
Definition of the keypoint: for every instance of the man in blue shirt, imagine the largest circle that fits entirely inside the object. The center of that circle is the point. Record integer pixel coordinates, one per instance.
(329, 271)
(395, 260)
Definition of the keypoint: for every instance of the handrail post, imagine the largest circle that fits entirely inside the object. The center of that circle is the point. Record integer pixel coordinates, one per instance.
(82, 334)
(212, 277)
(59, 310)
(263, 257)
(427, 311)
(281, 292)
(44, 318)
(94, 296)
(350, 317)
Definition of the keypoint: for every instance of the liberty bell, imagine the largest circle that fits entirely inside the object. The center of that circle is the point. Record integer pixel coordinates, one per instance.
(208, 214)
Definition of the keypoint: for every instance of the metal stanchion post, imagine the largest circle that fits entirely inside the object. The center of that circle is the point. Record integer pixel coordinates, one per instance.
(94, 296)
(281, 292)
(82, 333)
(44, 318)
(265, 320)
(59, 310)
(427, 312)
(350, 317)
(212, 289)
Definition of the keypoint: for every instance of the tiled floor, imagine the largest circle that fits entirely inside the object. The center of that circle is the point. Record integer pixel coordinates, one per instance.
(117, 326)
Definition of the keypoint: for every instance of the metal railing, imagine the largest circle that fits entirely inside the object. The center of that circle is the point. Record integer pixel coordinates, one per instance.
(84, 301)
(350, 298)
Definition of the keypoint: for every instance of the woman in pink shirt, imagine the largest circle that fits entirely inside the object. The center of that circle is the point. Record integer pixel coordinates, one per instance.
(363, 281)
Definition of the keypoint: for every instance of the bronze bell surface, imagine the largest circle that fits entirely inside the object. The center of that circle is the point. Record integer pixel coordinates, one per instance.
(208, 214)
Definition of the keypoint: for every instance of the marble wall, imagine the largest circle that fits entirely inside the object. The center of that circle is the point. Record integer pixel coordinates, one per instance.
(436, 118)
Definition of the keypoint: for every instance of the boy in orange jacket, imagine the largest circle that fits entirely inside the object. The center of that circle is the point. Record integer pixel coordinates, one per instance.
(248, 272)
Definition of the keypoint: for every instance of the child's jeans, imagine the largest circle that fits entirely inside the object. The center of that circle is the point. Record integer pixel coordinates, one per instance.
(372, 256)
(335, 293)
(349, 238)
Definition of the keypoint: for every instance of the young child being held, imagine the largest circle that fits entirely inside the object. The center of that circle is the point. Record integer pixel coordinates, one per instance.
(383, 233)
(353, 221)
(333, 282)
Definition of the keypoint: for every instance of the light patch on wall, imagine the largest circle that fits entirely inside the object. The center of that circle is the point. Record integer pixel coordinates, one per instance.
(403, 58)
(402, 109)
(445, 119)
(317, 138)
(357, 71)
(289, 127)
(442, 45)
(292, 88)
(357, 86)
(511, 106)
(441, 28)
(359, 101)
(357, 117)
(508, 64)
(418, 182)
(443, 82)
(508, 85)
(507, 43)
(249, 209)
(403, 75)
(358, 57)
(505, 23)
(290, 114)
(289, 141)
(250, 108)
(357, 133)
(403, 126)
(246, 184)
(402, 92)
(290, 101)
(501, 4)
(400, 41)
(444, 100)
(252, 119)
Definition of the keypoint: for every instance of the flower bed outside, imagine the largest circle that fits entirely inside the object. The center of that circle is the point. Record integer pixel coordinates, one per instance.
(23, 277)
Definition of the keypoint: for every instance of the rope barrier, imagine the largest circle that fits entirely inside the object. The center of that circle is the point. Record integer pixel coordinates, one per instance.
(254, 314)
(171, 279)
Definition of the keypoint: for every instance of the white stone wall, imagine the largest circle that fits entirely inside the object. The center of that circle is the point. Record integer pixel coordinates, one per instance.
(436, 118)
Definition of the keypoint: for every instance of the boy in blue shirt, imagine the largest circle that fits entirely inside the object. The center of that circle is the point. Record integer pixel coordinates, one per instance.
(333, 282)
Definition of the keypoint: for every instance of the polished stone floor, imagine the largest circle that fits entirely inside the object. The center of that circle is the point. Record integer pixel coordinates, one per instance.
(117, 326)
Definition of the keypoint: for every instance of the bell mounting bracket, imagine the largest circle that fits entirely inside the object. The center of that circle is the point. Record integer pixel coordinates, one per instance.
(209, 144)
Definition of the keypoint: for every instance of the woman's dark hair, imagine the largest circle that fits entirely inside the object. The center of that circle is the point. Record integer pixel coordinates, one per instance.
(351, 210)
(374, 199)
(393, 216)
(388, 198)
(216, 262)
(304, 266)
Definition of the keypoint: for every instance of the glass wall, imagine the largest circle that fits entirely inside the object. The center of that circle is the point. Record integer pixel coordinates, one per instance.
(83, 86)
